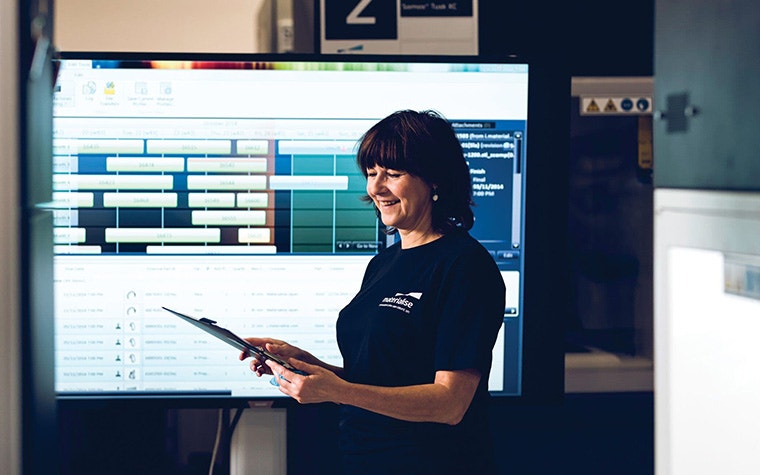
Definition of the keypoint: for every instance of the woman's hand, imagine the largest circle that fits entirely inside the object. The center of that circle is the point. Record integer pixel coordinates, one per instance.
(318, 385)
(276, 347)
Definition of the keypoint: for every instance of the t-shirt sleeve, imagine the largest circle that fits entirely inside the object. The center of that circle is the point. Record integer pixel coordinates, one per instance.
(471, 311)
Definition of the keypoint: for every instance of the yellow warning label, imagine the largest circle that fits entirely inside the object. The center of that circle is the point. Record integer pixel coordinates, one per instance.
(616, 105)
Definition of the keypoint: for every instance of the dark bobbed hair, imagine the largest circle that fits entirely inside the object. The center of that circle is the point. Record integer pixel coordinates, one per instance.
(425, 145)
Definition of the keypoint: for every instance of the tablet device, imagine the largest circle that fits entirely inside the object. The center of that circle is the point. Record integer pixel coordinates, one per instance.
(210, 326)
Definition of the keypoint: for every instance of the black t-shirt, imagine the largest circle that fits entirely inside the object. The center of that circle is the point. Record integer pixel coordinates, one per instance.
(434, 307)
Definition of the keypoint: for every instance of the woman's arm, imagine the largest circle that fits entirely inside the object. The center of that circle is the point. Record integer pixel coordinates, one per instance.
(445, 400)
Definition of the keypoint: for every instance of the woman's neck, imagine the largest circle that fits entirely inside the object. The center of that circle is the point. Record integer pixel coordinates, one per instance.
(412, 239)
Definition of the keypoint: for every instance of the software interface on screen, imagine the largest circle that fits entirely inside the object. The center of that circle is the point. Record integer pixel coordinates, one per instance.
(229, 190)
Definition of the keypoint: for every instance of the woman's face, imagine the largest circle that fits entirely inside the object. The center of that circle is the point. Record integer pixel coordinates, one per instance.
(403, 199)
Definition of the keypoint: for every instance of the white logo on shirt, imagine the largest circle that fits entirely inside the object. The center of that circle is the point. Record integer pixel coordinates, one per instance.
(401, 301)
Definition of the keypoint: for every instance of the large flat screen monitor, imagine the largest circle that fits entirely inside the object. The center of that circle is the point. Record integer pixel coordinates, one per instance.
(226, 188)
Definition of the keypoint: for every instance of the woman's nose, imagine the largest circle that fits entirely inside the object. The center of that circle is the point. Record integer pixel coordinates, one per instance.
(376, 185)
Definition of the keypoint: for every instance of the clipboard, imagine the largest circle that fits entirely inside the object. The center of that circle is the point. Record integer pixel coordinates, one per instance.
(210, 327)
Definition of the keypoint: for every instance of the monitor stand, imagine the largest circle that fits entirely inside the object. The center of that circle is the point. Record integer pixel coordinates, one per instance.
(259, 441)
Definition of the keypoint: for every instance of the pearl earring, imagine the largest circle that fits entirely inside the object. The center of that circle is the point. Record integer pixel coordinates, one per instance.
(435, 196)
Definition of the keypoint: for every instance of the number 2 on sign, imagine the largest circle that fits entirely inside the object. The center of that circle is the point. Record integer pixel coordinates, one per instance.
(353, 18)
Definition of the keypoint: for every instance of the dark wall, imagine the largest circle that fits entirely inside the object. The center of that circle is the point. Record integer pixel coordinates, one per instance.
(593, 37)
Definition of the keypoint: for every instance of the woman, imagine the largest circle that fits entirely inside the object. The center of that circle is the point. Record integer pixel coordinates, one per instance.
(417, 338)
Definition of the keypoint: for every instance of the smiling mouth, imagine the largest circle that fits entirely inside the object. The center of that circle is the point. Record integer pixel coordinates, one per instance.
(388, 203)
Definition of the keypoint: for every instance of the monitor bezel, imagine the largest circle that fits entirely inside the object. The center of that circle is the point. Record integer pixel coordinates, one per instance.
(545, 279)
